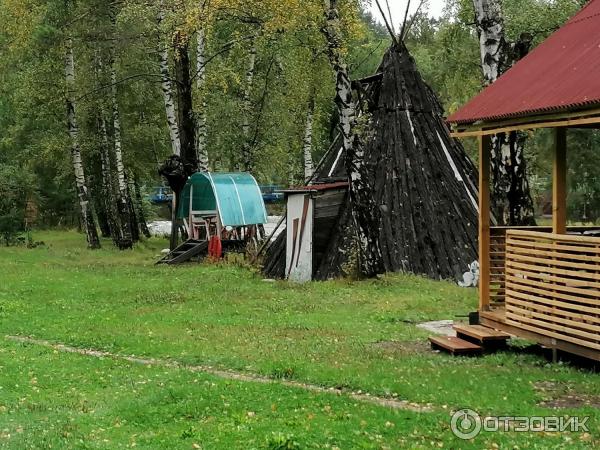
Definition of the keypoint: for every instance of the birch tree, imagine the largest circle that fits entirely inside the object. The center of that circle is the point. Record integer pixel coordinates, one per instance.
(87, 219)
(511, 199)
(308, 134)
(307, 143)
(166, 85)
(247, 150)
(200, 114)
(185, 108)
(139, 206)
(362, 204)
(123, 201)
(108, 197)
(106, 184)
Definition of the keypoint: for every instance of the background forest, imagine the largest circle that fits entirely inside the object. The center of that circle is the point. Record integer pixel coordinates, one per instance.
(261, 85)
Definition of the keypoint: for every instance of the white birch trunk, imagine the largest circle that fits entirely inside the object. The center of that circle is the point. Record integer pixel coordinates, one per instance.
(363, 207)
(87, 219)
(307, 145)
(247, 156)
(167, 87)
(490, 27)
(123, 199)
(292, 169)
(510, 194)
(201, 133)
(344, 99)
(117, 133)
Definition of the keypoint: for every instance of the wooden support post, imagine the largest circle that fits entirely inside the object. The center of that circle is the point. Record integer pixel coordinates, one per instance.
(484, 222)
(190, 216)
(174, 225)
(559, 183)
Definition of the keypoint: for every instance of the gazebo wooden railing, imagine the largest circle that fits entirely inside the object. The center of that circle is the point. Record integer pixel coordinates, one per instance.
(553, 286)
(498, 257)
(546, 287)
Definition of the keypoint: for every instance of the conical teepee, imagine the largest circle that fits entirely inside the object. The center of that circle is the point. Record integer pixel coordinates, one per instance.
(418, 202)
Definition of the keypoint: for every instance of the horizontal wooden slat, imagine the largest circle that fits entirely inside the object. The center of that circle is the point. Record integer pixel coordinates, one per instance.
(565, 239)
(513, 320)
(553, 285)
(502, 230)
(520, 315)
(593, 241)
(584, 262)
(545, 326)
(583, 329)
(565, 299)
(559, 308)
(555, 260)
(569, 293)
(566, 281)
(553, 270)
(549, 249)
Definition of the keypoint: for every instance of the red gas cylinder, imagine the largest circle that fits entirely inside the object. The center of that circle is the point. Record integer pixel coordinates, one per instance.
(215, 248)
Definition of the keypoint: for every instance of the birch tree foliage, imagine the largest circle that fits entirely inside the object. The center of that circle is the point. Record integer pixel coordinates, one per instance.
(290, 68)
(285, 34)
(19, 18)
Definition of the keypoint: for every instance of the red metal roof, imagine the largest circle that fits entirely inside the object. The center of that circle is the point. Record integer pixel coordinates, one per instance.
(562, 73)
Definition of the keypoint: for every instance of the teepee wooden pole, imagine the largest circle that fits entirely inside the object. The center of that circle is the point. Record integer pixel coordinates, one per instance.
(387, 24)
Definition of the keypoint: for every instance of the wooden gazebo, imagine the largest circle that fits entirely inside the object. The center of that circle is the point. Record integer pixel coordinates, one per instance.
(541, 284)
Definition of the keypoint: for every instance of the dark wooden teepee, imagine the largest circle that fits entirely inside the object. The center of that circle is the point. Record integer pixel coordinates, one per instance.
(421, 203)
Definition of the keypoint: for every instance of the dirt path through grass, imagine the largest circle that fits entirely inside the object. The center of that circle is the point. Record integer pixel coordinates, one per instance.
(228, 374)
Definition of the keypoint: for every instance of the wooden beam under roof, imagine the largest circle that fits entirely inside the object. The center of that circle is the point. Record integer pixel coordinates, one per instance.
(588, 118)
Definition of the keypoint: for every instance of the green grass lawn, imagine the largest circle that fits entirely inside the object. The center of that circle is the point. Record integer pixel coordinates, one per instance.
(351, 335)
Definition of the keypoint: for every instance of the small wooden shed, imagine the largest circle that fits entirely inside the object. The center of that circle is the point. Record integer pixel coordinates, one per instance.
(312, 213)
(541, 283)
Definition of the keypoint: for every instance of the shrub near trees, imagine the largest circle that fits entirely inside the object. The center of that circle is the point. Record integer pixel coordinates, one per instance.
(16, 189)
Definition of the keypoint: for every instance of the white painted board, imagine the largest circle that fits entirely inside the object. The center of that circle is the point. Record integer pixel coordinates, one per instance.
(299, 257)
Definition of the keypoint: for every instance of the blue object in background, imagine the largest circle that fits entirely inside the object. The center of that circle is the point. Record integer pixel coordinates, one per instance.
(271, 193)
(160, 195)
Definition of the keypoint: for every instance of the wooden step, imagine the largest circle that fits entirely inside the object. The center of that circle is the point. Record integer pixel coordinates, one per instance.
(480, 333)
(455, 345)
(186, 251)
